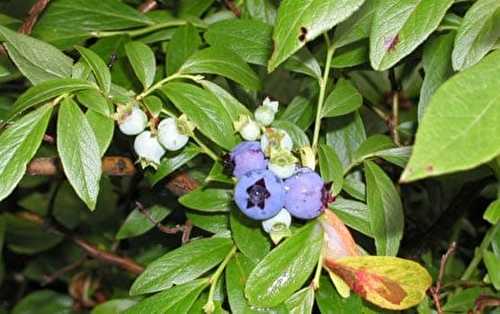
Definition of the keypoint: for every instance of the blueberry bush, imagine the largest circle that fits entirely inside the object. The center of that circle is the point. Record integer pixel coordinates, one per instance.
(249, 156)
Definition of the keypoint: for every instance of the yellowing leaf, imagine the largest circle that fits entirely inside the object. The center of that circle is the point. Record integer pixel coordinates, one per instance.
(339, 242)
(388, 282)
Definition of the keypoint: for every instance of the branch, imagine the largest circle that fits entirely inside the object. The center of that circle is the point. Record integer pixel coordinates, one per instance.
(91, 250)
(33, 15)
(51, 166)
(435, 291)
(232, 7)
(148, 5)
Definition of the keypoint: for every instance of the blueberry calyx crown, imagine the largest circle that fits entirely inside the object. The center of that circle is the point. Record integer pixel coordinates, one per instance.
(257, 194)
(326, 197)
(228, 164)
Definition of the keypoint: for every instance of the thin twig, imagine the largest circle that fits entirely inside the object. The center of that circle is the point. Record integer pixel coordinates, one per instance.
(111, 165)
(157, 224)
(33, 14)
(230, 5)
(48, 279)
(435, 291)
(186, 233)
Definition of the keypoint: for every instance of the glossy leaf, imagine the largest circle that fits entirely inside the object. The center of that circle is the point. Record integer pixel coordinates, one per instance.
(492, 213)
(300, 21)
(204, 110)
(79, 152)
(345, 134)
(92, 99)
(331, 168)
(401, 26)
(389, 282)
(222, 61)
(143, 62)
(357, 26)
(178, 299)
(36, 60)
(250, 39)
(301, 302)
(437, 68)
(211, 222)
(260, 10)
(304, 62)
(249, 237)
(98, 67)
(477, 34)
(115, 306)
(351, 55)
(48, 90)
(103, 129)
(462, 111)
(386, 210)
(338, 240)
(232, 105)
(330, 302)
(353, 213)
(137, 223)
(300, 112)
(18, 144)
(169, 165)
(342, 100)
(208, 200)
(182, 265)
(185, 41)
(286, 268)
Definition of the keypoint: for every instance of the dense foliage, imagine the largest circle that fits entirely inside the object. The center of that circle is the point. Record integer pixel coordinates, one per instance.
(118, 126)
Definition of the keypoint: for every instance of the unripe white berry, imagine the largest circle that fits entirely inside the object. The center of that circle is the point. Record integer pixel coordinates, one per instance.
(148, 148)
(264, 115)
(169, 135)
(134, 122)
(281, 221)
(282, 172)
(250, 131)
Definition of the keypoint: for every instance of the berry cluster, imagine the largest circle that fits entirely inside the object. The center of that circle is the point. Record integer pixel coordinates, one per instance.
(150, 146)
(271, 186)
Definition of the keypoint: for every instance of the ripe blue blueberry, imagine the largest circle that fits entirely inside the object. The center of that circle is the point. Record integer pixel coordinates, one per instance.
(306, 194)
(259, 194)
(245, 157)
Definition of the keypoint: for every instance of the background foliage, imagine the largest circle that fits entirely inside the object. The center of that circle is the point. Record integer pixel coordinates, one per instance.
(399, 100)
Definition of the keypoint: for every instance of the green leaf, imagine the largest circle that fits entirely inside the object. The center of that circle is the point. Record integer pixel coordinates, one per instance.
(298, 136)
(36, 60)
(18, 144)
(357, 26)
(204, 110)
(437, 68)
(103, 127)
(92, 99)
(98, 67)
(250, 39)
(182, 265)
(345, 134)
(386, 210)
(208, 200)
(222, 61)
(260, 10)
(178, 299)
(286, 268)
(492, 264)
(331, 168)
(351, 55)
(248, 236)
(27, 238)
(372, 145)
(477, 34)
(330, 302)
(344, 99)
(194, 7)
(304, 62)
(401, 26)
(115, 306)
(232, 105)
(154, 105)
(462, 300)
(463, 110)
(137, 223)
(47, 90)
(69, 22)
(237, 271)
(185, 41)
(301, 302)
(79, 152)
(300, 112)
(169, 165)
(211, 222)
(44, 302)
(143, 62)
(353, 213)
(492, 213)
(300, 21)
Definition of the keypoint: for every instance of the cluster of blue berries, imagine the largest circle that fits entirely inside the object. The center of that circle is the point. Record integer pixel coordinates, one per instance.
(271, 185)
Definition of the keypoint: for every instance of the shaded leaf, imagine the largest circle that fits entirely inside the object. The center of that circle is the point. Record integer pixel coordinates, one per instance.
(353, 213)
(137, 223)
(249, 237)
(331, 168)
(44, 302)
(208, 200)
(344, 99)
(357, 26)
(386, 210)
(143, 62)
(185, 41)
(169, 165)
